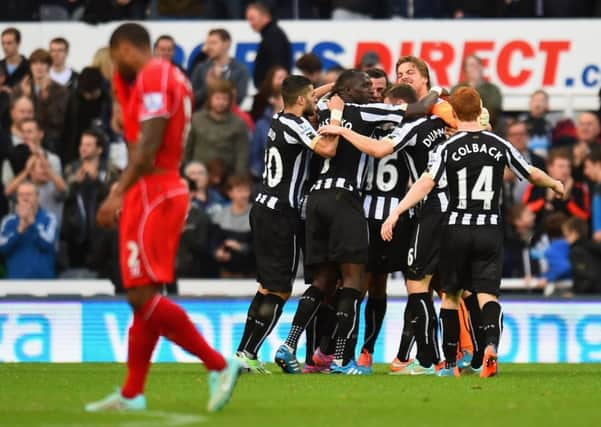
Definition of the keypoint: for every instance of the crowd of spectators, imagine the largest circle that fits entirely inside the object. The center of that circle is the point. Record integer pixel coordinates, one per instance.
(61, 150)
(101, 11)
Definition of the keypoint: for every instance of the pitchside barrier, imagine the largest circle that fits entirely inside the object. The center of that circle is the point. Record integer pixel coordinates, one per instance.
(82, 321)
(519, 56)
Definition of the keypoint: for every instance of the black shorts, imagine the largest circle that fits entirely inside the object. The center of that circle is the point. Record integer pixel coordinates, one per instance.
(387, 257)
(471, 258)
(277, 246)
(424, 245)
(336, 228)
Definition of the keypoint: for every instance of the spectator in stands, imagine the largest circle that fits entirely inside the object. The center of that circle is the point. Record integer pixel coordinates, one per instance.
(274, 48)
(587, 136)
(164, 48)
(219, 66)
(88, 184)
(519, 239)
(259, 138)
(576, 203)
(217, 132)
(557, 255)
(332, 74)
(379, 83)
(310, 66)
(14, 64)
(15, 153)
(89, 105)
(59, 71)
(5, 92)
(369, 60)
(205, 198)
(585, 257)
(28, 237)
(269, 90)
(33, 135)
(539, 127)
(50, 98)
(592, 171)
(194, 257)
(233, 239)
(473, 74)
(102, 61)
(517, 134)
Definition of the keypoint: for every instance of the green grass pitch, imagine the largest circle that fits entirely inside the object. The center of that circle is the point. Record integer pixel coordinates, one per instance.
(53, 395)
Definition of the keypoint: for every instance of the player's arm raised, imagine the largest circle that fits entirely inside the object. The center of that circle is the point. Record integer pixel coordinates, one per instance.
(370, 146)
(541, 179)
(424, 105)
(140, 162)
(326, 145)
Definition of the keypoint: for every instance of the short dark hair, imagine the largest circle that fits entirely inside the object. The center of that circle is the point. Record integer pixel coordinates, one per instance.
(40, 55)
(163, 37)
(376, 73)
(238, 180)
(309, 63)
(293, 87)
(134, 33)
(553, 223)
(98, 137)
(260, 6)
(221, 86)
(61, 40)
(577, 225)
(14, 32)
(346, 78)
(89, 80)
(514, 123)
(401, 91)
(222, 33)
(559, 153)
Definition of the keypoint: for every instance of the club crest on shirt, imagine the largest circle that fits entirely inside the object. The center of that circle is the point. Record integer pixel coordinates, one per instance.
(153, 102)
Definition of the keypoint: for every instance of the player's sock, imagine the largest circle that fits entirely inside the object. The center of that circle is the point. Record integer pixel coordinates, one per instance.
(318, 332)
(328, 329)
(172, 322)
(449, 323)
(475, 321)
(434, 330)
(347, 312)
(308, 305)
(375, 310)
(492, 323)
(312, 338)
(465, 336)
(266, 318)
(141, 343)
(407, 336)
(250, 320)
(423, 327)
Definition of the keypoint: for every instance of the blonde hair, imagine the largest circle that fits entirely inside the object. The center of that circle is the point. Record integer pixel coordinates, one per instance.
(102, 61)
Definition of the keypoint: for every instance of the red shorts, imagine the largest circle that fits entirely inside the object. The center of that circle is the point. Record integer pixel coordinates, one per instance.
(150, 226)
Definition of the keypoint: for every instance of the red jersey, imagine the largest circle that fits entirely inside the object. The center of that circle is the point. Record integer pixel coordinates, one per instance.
(160, 90)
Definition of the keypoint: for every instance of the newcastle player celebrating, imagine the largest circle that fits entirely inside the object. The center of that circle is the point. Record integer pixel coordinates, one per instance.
(472, 243)
(416, 139)
(336, 229)
(274, 217)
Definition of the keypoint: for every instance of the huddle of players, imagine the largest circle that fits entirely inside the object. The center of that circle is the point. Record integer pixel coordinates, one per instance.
(345, 180)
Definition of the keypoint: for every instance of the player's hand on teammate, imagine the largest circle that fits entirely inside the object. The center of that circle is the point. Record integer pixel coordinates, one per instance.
(109, 209)
(387, 230)
(331, 130)
(336, 103)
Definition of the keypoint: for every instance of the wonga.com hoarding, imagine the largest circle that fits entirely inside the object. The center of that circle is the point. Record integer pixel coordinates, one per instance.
(96, 331)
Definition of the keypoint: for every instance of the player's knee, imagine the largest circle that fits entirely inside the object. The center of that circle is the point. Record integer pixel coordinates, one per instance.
(377, 286)
(450, 300)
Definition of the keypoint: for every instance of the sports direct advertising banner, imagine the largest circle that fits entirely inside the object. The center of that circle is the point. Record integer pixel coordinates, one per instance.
(518, 55)
(96, 331)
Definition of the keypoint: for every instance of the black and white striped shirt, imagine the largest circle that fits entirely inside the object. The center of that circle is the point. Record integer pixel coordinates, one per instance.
(290, 142)
(474, 163)
(348, 168)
